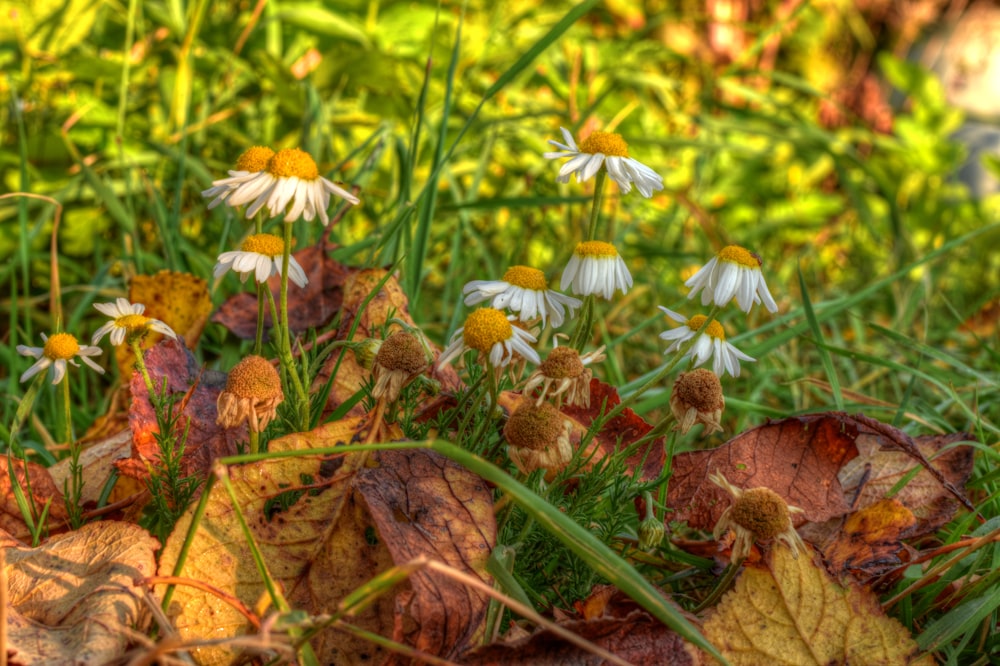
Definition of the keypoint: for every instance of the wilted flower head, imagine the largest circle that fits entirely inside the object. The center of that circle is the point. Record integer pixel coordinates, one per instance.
(253, 393)
(289, 185)
(564, 375)
(596, 268)
(524, 291)
(711, 343)
(127, 322)
(605, 149)
(697, 398)
(491, 333)
(756, 515)
(400, 358)
(734, 272)
(60, 349)
(538, 438)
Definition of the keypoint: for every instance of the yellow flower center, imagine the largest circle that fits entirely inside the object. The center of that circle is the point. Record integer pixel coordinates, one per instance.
(293, 162)
(714, 329)
(254, 159)
(132, 322)
(735, 254)
(254, 378)
(595, 249)
(526, 278)
(268, 245)
(61, 346)
(484, 328)
(606, 143)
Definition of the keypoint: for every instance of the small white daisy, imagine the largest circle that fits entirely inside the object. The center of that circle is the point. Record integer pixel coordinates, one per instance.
(127, 320)
(604, 149)
(260, 254)
(250, 163)
(59, 350)
(733, 272)
(490, 332)
(290, 185)
(710, 344)
(596, 268)
(524, 291)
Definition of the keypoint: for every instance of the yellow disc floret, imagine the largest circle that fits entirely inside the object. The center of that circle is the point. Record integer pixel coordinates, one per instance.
(292, 162)
(597, 249)
(61, 346)
(562, 363)
(735, 254)
(132, 322)
(606, 143)
(714, 329)
(486, 327)
(254, 377)
(268, 245)
(526, 278)
(761, 511)
(254, 159)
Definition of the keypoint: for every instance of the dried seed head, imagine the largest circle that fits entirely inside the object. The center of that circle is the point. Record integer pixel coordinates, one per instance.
(697, 398)
(562, 363)
(538, 438)
(761, 511)
(400, 358)
(253, 393)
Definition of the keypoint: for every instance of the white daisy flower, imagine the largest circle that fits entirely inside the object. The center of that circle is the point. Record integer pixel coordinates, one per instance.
(525, 291)
(127, 320)
(596, 268)
(710, 344)
(60, 349)
(604, 149)
(290, 185)
(250, 163)
(490, 332)
(733, 272)
(260, 254)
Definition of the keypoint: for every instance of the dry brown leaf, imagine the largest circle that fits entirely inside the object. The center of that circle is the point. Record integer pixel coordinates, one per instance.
(206, 440)
(351, 522)
(43, 489)
(72, 599)
(788, 611)
(870, 542)
(98, 462)
(798, 458)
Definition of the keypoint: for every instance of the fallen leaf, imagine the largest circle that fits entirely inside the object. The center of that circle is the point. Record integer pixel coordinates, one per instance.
(72, 600)
(346, 521)
(98, 462)
(42, 487)
(798, 458)
(312, 306)
(789, 611)
(870, 542)
(180, 300)
(206, 441)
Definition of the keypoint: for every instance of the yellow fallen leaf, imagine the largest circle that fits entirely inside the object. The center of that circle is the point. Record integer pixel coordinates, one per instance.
(788, 611)
(72, 599)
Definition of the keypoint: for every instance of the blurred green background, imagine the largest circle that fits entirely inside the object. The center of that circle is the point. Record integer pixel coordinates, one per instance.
(797, 129)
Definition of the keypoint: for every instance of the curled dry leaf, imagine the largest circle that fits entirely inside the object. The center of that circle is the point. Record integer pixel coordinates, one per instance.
(614, 623)
(72, 600)
(325, 525)
(42, 488)
(798, 458)
(870, 542)
(206, 441)
(311, 306)
(788, 610)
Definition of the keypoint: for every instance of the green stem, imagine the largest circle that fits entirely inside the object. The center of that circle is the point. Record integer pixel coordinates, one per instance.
(67, 416)
(287, 360)
(259, 340)
(595, 211)
(254, 441)
(584, 324)
(141, 364)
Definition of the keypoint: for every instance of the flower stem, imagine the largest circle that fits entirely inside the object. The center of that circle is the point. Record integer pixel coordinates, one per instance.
(595, 211)
(285, 348)
(141, 364)
(586, 321)
(259, 339)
